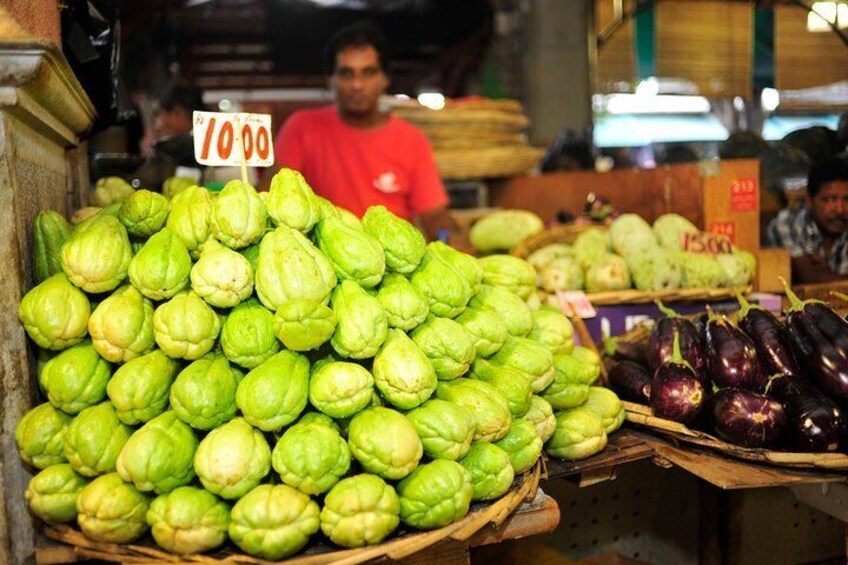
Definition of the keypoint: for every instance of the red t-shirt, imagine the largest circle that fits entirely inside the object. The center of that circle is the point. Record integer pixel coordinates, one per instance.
(354, 168)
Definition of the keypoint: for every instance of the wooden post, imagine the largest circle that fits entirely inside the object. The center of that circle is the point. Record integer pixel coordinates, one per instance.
(43, 112)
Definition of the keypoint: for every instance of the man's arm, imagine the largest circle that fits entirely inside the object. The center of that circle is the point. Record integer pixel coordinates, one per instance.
(812, 269)
(439, 220)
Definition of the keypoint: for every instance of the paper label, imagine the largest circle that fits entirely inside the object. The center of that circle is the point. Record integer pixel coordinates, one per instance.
(744, 195)
(726, 229)
(219, 138)
(575, 304)
(707, 243)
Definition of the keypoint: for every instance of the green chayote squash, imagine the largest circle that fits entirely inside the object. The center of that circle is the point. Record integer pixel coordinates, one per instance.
(111, 510)
(361, 323)
(190, 215)
(272, 395)
(291, 268)
(204, 393)
(121, 327)
(52, 494)
(161, 268)
(447, 345)
(360, 510)
(238, 215)
(94, 439)
(273, 522)
(40, 436)
(97, 254)
(291, 201)
(76, 378)
(188, 520)
(159, 456)
(246, 452)
(445, 287)
(222, 277)
(402, 243)
(144, 213)
(50, 230)
(355, 255)
(247, 335)
(303, 325)
(185, 326)
(55, 313)
(402, 372)
(406, 307)
(139, 388)
(435, 495)
(311, 457)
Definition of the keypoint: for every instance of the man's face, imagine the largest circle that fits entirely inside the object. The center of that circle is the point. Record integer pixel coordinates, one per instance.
(358, 80)
(172, 122)
(830, 207)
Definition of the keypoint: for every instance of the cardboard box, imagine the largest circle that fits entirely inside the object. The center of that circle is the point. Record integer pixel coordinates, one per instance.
(772, 264)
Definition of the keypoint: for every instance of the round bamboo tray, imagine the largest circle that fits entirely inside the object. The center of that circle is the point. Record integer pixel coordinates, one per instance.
(490, 120)
(643, 416)
(563, 233)
(396, 549)
(497, 104)
(470, 143)
(481, 136)
(487, 162)
(567, 233)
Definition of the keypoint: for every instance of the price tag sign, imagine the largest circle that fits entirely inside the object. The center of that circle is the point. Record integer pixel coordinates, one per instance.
(222, 140)
(727, 229)
(575, 304)
(744, 195)
(707, 243)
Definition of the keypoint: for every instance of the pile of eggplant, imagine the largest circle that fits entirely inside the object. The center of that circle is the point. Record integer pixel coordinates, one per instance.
(759, 382)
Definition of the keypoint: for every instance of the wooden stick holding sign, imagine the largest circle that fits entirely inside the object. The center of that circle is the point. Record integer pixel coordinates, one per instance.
(217, 134)
(576, 306)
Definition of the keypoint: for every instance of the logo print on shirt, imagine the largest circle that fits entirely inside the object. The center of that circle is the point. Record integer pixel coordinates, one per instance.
(387, 183)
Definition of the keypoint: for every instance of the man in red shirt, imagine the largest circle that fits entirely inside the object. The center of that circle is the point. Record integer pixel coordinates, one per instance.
(356, 155)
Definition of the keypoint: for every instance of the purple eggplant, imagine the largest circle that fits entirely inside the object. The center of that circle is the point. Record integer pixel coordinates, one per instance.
(622, 350)
(815, 422)
(771, 342)
(833, 326)
(676, 392)
(661, 343)
(731, 356)
(747, 418)
(631, 382)
(826, 366)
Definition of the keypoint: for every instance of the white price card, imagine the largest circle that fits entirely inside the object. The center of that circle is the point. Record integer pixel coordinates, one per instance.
(575, 304)
(222, 140)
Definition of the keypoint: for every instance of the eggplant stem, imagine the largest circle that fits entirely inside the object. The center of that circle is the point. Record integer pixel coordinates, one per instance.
(676, 357)
(669, 313)
(771, 380)
(795, 303)
(743, 302)
(840, 295)
(712, 315)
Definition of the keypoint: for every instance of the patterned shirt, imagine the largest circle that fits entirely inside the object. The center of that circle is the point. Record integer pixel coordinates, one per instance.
(796, 230)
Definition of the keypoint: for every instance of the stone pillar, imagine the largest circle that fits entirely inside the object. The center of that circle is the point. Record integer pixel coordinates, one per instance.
(560, 67)
(43, 165)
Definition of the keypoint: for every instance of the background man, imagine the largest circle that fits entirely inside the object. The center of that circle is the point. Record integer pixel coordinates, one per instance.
(356, 155)
(816, 235)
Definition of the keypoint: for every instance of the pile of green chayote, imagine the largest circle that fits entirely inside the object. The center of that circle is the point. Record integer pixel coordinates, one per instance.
(261, 366)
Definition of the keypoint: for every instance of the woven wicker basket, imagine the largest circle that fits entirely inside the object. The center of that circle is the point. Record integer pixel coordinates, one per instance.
(564, 233)
(487, 120)
(499, 104)
(397, 548)
(487, 162)
(568, 233)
